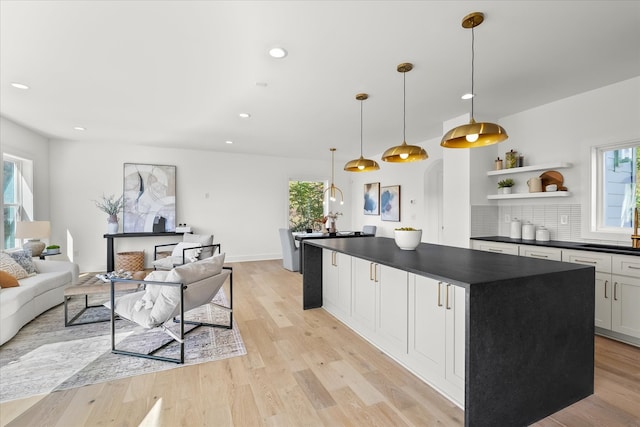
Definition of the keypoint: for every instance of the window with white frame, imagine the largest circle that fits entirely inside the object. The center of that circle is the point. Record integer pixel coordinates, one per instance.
(616, 187)
(17, 195)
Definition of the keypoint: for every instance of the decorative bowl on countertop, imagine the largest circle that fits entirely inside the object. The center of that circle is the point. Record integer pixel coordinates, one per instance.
(407, 240)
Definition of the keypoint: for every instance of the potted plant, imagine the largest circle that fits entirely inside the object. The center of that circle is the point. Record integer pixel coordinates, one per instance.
(505, 185)
(112, 207)
(407, 238)
(53, 249)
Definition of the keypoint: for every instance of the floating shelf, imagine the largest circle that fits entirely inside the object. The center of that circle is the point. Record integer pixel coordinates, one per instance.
(532, 168)
(529, 195)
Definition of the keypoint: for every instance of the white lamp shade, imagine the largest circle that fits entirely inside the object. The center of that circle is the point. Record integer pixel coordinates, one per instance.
(33, 229)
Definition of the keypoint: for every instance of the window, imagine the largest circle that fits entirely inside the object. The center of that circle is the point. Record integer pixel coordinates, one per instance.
(17, 196)
(305, 204)
(616, 187)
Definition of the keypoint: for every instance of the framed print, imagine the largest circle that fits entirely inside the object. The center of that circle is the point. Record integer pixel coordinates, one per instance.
(149, 198)
(390, 203)
(372, 198)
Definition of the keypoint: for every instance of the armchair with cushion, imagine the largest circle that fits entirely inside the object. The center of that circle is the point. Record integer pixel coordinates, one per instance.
(168, 297)
(193, 247)
(290, 252)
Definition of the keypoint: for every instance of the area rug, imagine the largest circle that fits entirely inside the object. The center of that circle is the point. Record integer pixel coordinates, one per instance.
(45, 356)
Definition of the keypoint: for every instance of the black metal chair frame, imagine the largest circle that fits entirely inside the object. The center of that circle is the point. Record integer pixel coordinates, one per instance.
(184, 251)
(181, 338)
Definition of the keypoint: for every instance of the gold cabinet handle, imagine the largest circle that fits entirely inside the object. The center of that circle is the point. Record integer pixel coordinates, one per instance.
(371, 271)
(439, 303)
(615, 291)
(495, 250)
(539, 255)
(586, 261)
(375, 272)
(605, 289)
(334, 259)
(633, 268)
(447, 296)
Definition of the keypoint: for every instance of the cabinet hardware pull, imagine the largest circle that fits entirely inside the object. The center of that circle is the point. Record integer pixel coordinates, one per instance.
(439, 303)
(375, 272)
(447, 296)
(633, 268)
(539, 255)
(370, 271)
(615, 291)
(587, 261)
(334, 261)
(605, 288)
(495, 250)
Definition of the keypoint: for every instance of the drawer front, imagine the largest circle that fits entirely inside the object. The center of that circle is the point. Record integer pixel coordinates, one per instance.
(553, 254)
(601, 261)
(497, 247)
(626, 265)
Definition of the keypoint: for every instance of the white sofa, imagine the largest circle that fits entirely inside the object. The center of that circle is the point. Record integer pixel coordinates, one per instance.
(35, 295)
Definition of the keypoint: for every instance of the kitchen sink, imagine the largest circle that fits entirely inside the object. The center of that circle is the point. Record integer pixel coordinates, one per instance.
(612, 247)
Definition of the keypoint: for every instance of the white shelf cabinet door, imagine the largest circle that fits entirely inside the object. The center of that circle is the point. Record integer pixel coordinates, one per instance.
(604, 289)
(625, 315)
(336, 283)
(391, 313)
(363, 303)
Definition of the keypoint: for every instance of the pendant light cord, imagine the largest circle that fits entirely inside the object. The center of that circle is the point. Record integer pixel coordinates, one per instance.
(404, 106)
(473, 94)
(360, 128)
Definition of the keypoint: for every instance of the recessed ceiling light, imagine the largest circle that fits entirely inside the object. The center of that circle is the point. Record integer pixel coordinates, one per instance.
(277, 52)
(245, 115)
(467, 96)
(228, 142)
(19, 86)
(79, 128)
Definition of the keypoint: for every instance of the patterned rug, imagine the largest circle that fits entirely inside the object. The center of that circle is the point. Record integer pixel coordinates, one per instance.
(45, 356)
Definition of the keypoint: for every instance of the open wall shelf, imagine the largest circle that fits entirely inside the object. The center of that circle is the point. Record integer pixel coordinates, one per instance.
(532, 168)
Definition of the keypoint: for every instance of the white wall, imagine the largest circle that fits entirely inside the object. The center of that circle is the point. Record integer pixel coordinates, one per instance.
(22, 142)
(247, 197)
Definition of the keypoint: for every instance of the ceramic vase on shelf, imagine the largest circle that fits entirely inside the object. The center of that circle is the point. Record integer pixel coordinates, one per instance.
(112, 224)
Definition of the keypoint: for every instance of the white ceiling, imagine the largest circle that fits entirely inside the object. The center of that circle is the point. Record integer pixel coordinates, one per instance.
(178, 73)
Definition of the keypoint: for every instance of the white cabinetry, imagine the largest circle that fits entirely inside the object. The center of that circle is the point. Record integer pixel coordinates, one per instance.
(540, 252)
(336, 283)
(625, 303)
(380, 305)
(437, 334)
(497, 247)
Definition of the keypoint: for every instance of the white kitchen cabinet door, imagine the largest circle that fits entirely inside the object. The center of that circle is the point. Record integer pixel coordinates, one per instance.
(625, 306)
(391, 313)
(604, 292)
(336, 283)
(455, 343)
(363, 302)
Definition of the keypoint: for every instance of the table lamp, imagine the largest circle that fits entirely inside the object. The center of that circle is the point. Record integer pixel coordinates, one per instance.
(34, 231)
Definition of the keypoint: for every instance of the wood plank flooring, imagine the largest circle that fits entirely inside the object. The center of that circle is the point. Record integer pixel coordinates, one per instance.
(303, 368)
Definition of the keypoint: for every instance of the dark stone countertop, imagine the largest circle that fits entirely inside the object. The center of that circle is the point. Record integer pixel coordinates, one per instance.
(458, 266)
(581, 246)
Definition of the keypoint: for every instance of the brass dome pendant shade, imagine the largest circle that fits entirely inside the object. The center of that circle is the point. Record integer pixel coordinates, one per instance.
(332, 189)
(473, 134)
(361, 164)
(404, 152)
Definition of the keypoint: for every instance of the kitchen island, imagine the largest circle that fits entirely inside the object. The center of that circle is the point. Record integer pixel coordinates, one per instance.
(527, 335)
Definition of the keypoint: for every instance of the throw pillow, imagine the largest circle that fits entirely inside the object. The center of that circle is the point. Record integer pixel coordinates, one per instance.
(8, 264)
(23, 257)
(7, 280)
(190, 255)
(204, 240)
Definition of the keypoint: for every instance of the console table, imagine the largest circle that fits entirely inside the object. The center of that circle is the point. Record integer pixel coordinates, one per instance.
(110, 237)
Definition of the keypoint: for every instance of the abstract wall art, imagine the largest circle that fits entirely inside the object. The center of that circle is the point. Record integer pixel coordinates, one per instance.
(390, 203)
(372, 198)
(149, 198)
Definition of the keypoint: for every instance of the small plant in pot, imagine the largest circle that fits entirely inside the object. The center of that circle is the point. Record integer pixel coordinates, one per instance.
(505, 185)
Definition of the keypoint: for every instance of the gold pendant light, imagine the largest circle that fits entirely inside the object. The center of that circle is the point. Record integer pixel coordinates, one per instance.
(361, 164)
(332, 189)
(404, 152)
(473, 134)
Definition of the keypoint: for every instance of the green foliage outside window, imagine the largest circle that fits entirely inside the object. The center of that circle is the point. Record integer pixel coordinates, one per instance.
(305, 204)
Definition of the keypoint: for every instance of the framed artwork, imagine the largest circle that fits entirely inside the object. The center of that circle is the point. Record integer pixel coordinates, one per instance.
(149, 198)
(372, 198)
(390, 203)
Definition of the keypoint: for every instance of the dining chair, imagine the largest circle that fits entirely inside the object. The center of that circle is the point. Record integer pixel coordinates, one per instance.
(290, 252)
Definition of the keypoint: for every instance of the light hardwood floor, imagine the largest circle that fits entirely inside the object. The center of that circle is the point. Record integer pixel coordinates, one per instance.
(302, 368)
